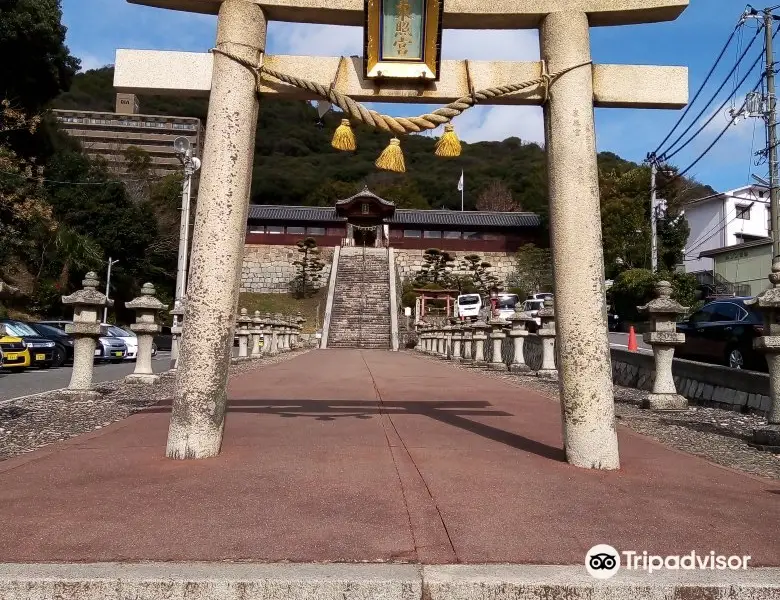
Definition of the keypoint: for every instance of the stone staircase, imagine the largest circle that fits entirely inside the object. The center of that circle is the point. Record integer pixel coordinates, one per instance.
(361, 301)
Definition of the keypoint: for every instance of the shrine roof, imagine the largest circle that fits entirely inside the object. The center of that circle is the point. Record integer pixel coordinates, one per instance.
(446, 218)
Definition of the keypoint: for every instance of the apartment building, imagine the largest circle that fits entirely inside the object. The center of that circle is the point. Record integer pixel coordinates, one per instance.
(107, 135)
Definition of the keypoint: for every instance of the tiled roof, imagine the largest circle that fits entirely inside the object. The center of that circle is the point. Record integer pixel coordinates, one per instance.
(445, 218)
(467, 218)
(366, 193)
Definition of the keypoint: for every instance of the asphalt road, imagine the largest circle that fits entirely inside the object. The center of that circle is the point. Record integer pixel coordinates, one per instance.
(35, 381)
(620, 340)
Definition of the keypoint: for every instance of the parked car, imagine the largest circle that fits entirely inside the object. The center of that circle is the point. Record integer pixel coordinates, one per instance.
(162, 341)
(723, 332)
(468, 306)
(63, 349)
(127, 336)
(108, 349)
(532, 306)
(41, 349)
(506, 305)
(15, 355)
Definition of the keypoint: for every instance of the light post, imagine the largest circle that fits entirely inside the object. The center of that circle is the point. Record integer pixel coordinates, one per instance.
(111, 263)
(191, 165)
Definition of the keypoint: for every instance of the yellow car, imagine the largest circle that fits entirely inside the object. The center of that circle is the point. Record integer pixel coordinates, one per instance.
(15, 354)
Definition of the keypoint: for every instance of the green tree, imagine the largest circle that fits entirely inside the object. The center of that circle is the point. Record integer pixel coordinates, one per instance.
(436, 270)
(477, 273)
(309, 268)
(636, 287)
(37, 66)
(533, 269)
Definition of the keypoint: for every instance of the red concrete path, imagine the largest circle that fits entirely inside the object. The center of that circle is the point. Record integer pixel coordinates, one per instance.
(344, 455)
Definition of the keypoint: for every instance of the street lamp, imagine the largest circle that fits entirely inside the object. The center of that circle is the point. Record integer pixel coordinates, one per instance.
(183, 149)
(111, 263)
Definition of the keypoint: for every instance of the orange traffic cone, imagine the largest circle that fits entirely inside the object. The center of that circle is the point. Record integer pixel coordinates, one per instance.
(632, 347)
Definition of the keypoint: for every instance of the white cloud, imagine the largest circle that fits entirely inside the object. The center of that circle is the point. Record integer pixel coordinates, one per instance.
(90, 61)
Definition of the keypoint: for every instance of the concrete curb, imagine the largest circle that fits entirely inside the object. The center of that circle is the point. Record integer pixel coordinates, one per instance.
(247, 581)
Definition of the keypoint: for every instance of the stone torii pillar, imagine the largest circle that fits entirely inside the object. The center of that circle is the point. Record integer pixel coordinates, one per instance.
(200, 400)
(585, 369)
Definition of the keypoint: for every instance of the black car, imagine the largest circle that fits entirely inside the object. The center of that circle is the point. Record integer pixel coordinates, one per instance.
(163, 340)
(722, 332)
(41, 348)
(63, 350)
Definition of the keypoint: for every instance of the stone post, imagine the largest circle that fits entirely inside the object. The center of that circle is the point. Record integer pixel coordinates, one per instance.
(664, 337)
(480, 337)
(426, 336)
(547, 334)
(269, 336)
(518, 333)
(286, 333)
(242, 332)
(430, 334)
(457, 343)
(768, 302)
(88, 306)
(468, 343)
(448, 342)
(279, 329)
(146, 307)
(178, 310)
(200, 399)
(257, 334)
(589, 432)
(498, 336)
(441, 339)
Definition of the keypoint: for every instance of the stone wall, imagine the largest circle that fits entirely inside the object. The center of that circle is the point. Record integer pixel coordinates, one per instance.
(270, 269)
(711, 385)
(408, 262)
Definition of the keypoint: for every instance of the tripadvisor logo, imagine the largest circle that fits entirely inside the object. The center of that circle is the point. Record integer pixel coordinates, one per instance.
(604, 561)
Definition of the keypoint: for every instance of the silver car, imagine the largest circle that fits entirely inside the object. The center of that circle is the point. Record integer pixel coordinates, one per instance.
(108, 349)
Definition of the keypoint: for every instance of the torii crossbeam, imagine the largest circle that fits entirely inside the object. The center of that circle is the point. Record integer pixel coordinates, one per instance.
(575, 222)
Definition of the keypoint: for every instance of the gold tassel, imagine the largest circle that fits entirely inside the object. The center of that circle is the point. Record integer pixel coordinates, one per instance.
(448, 144)
(392, 158)
(344, 138)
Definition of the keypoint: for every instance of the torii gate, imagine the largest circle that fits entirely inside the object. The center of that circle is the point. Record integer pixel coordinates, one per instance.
(584, 360)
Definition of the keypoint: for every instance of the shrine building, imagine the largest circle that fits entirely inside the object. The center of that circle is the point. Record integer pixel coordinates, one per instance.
(366, 219)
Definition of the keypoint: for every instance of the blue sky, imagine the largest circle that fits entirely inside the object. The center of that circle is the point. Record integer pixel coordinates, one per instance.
(96, 28)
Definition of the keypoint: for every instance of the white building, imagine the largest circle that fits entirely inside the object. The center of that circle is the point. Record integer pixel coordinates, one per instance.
(722, 220)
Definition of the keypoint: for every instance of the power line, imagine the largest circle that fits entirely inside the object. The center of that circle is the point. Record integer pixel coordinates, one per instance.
(703, 85)
(716, 140)
(667, 154)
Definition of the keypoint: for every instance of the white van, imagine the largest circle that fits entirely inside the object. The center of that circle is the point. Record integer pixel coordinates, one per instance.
(469, 306)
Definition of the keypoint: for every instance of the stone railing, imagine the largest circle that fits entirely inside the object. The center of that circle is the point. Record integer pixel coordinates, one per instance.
(700, 383)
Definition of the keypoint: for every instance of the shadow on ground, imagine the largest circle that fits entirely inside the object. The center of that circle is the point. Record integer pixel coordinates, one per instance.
(449, 412)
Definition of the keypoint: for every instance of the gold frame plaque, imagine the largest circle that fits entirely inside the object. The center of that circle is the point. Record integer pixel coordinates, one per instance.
(427, 68)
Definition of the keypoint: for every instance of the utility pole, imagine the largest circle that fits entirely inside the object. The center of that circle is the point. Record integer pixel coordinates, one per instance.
(774, 196)
(653, 216)
(111, 263)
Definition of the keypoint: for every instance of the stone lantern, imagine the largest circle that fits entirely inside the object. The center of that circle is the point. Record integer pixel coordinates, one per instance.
(176, 330)
(242, 332)
(480, 337)
(146, 308)
(768, 302)
(518, 333)
(498, 336)
(257, 334)
(547, 334)
(287, 324)
(663, 312)
(299, 320)
(87, 309)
